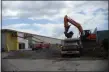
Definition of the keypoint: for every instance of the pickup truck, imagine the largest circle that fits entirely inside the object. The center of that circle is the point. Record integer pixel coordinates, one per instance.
(41, 46)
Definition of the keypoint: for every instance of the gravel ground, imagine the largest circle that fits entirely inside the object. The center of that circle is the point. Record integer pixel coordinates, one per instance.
(51, 53)
(50, 60)
(54, 65)
(38, 54)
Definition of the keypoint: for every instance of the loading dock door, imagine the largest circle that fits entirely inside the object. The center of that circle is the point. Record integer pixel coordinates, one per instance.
(21, 45)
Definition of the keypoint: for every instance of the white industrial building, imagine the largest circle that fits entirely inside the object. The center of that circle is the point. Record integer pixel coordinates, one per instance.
(46, 39)
(38, 38)
(34, 39)
(13, 40)
(23, 43)
(24, 40)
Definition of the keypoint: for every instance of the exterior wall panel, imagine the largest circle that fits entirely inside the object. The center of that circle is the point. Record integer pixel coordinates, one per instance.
(22, 40)
(3, 40)
(102, 35)
(11, 42)
(47, 39)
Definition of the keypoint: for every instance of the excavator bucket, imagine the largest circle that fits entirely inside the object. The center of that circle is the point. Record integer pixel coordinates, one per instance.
(69, 35)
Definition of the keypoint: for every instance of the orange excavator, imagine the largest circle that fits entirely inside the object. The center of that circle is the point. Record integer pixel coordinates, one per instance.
(84, 34)
(86, 41)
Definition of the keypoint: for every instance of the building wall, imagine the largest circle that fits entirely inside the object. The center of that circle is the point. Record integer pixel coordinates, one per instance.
(11, 42)
(47, 39)
(3, 40)
(22, 40)
(102, 35)
(29, 41)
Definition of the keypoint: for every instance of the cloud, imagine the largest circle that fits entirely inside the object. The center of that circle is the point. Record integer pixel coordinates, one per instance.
(52, 10)
(14, 26)
(46, 17)
(32, 9)
(50, 30)
(38, 9)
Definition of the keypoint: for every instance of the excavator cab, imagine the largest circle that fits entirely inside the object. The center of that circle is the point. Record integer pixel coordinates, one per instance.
(87, 33)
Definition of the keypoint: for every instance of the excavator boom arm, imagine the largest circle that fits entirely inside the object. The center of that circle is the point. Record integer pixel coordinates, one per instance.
(67, 19)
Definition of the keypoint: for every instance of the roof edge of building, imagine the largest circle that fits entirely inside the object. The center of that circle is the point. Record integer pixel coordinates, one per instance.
(28, 33)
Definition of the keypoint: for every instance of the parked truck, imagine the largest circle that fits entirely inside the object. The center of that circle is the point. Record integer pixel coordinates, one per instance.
(40, 45)
(71, 46)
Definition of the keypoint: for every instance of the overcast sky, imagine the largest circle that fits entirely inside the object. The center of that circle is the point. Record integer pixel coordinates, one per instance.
(46, 17)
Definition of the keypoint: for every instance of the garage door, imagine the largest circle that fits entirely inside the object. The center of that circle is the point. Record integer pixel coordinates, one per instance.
(21, 45)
